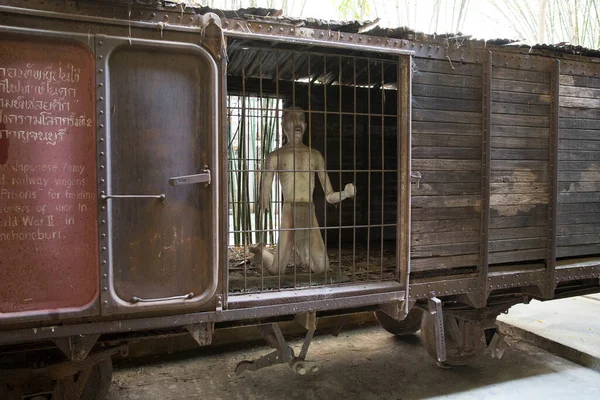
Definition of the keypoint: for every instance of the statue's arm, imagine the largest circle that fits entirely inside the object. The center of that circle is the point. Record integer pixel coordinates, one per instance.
(267, 181)
(331, 196)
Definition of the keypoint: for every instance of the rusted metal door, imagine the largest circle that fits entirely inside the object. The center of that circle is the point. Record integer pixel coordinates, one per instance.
(48, 202)
(158, 126)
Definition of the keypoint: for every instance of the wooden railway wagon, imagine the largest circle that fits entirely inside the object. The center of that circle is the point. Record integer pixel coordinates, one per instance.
(133, 143)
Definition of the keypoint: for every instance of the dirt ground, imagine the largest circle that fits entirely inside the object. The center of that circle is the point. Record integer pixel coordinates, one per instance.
(366, 363)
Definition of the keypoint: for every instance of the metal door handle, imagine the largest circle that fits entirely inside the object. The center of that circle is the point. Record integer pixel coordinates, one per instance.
(133, 196)
(203, 177)
(188, 296)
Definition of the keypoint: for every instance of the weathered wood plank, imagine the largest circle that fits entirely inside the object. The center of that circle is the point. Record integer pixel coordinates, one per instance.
(578, 229)
(577, 123)
(446, 116)
(590, 197)
(522, 221)
(586, 113)
(445, 225)
(521, 75)
(580, 102)
(446, 141)
(515, 256)
(518, 244)
(578, 208)
(516, 199)
(575, 240)
(520, 98)
(578, 155)
(519, 233)
(445, 201)
(520, 109)
(507, 165)
(577, 219)
(580, 134)
(445, 165)
(586, 145)
(571, 93)
(518, 143)
(520, 87)
(520, 131)
(450, 177)
(513, 188)
(445, 128)
(432, 78)
(518, 176)
(446, 67)
(428, 264)
(588, 166)
(576, 251)
(582, 81)
(519, 154)
(438, 189)
(519, 210)
(454, 213)
(436, 103)
(428, 239)
(447, 92)
(578, 187)
(520, 120)
(455, 153)
(444, 250)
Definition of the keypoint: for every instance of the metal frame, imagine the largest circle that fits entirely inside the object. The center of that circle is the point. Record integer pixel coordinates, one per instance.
(111, 303)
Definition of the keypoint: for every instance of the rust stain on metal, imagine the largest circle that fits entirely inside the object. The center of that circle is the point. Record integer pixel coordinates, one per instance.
(48, 200)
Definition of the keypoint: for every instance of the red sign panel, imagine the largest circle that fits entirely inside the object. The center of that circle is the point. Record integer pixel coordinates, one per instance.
(48, 198)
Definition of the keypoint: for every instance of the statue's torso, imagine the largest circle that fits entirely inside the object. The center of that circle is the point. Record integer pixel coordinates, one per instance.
(296, 169)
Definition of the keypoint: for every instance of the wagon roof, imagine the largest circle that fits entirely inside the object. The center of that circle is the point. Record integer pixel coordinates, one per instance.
(371, 28)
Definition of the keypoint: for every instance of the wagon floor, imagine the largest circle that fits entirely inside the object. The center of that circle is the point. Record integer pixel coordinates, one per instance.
(346, 265)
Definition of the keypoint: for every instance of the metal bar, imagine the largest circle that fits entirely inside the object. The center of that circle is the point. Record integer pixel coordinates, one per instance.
(187, 296)
(404, 150)
(261, 214)
(294, 167)
(203, 177)
(553, 181)
(369, 166)
(382, 166)
(277, 144)
(306, 344)
(325, 113)
(354, 177)
(341, 123)
(486, 157)
(311, 190)
(133, 196)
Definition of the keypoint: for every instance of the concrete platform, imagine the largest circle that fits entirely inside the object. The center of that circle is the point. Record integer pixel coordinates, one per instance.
(569, 327)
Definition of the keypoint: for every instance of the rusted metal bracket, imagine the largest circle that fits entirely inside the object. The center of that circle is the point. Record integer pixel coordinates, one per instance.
(498, 345)
(212, 35)
(283, 353)
(397, 309)
(202, 333)
(435, 309)
(76, 348)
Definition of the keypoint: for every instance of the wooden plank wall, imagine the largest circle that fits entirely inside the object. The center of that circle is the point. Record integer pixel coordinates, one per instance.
(578, 230)
(520, 138)
(446, 150)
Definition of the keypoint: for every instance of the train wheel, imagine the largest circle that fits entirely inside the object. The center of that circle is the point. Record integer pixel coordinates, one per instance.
(407, 326)
(96, 386)
(465, 339)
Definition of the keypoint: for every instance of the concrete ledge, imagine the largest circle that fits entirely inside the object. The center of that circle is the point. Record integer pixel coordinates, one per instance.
(569, 328)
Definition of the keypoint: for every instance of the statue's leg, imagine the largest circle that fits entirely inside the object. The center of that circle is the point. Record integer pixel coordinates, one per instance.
(285, 244)
(318, 252)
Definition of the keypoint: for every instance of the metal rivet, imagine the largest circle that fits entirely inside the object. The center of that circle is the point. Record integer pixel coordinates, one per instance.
(271, 28)
(102, 139)
(154, 14)
(101, 56)
(102, 167)
(104, 235)
(105, 289)
(280, 29)
(105, 302)
(259, 26)
(101, 99)
(100, 70)
(101, 84)
(101, 126)
(102, 180)
(101, 112)
(104, 249)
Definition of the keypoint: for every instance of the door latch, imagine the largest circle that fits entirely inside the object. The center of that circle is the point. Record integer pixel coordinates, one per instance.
(203, 177)
(416, 175)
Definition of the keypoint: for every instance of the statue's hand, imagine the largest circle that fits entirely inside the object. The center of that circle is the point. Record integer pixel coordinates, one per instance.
(350, 190)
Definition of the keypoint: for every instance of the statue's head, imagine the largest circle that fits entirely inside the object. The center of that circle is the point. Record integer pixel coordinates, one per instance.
(293, 123)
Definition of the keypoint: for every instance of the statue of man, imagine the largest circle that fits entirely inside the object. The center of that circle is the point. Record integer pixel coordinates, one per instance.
(296, 164)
